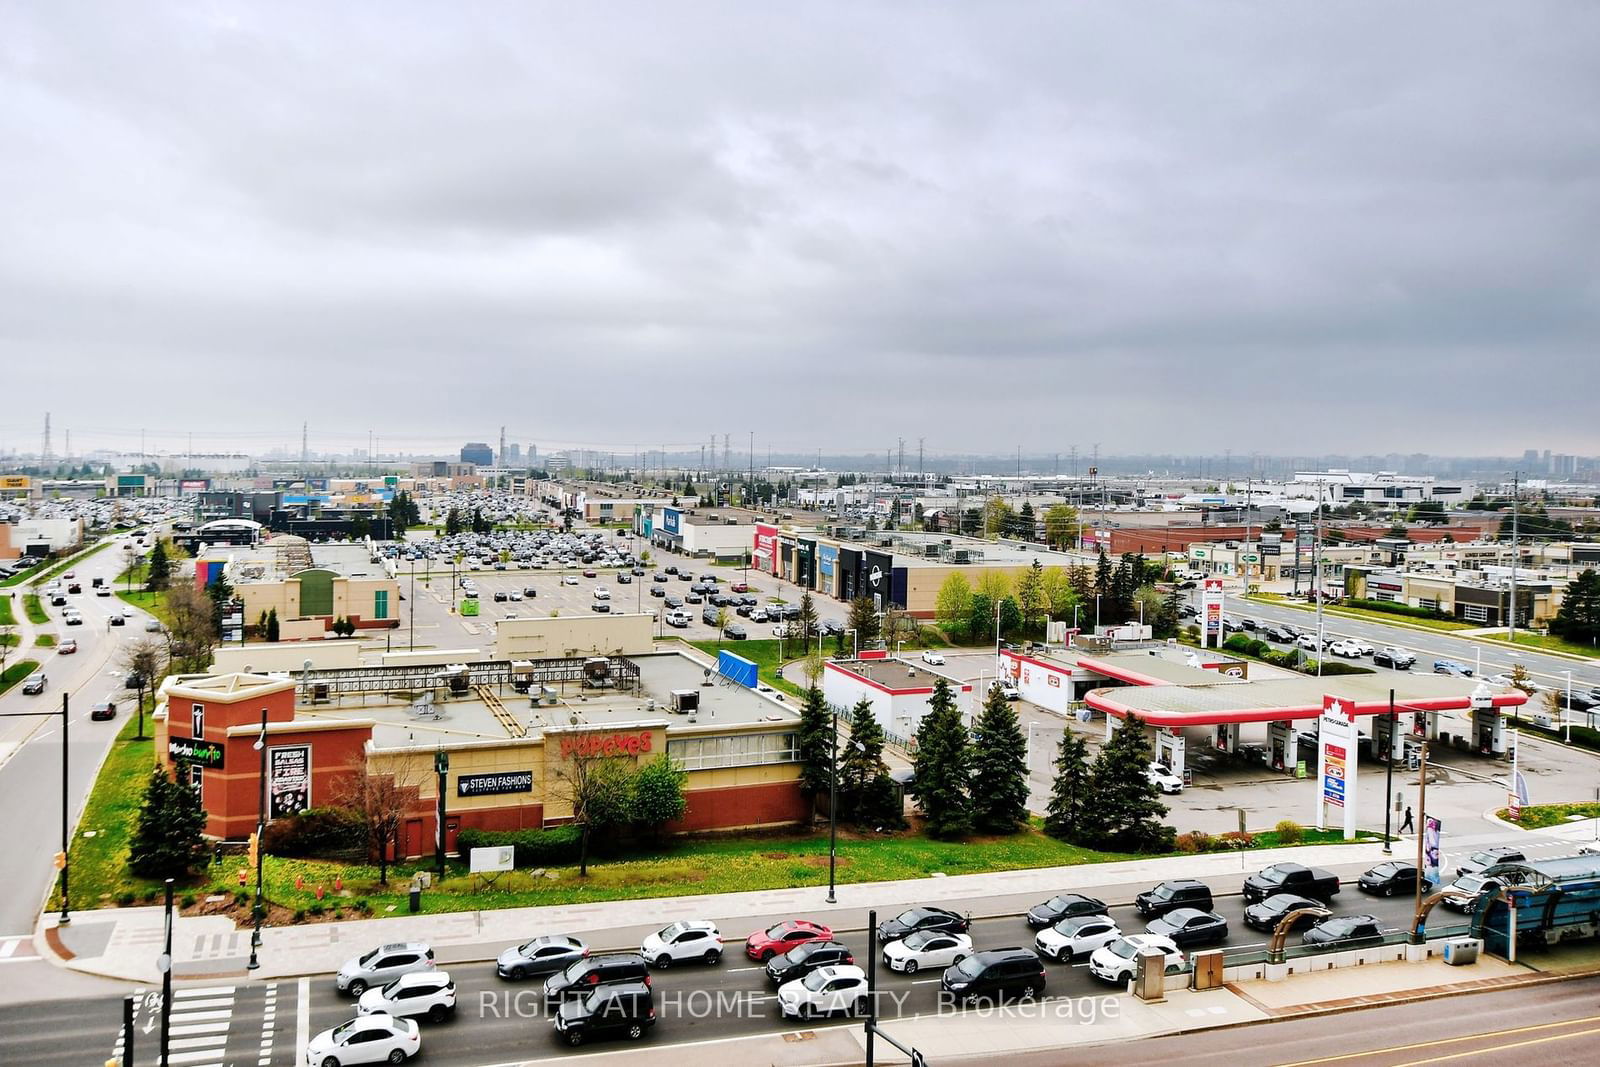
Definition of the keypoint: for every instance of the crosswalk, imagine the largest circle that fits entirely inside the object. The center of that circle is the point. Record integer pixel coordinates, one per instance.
(200, 1026)
(17, 949)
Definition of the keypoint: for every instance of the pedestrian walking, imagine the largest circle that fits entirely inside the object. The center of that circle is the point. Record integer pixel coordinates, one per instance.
(1407, 826)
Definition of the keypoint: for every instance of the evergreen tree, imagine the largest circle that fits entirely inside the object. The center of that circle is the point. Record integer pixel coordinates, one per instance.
(807, 621)
(999, 762)
(221, 593)
(1010, 616)
(942, 782)
(1578, 619)
(1065, 818)
(168, 841)
(272, 624)
(863, 620)
(1030, 596)
(816, 744)
(980, 618)
(1102, 578)
(866, 793)
(452, 522)
(1126, 806)
(158, 572)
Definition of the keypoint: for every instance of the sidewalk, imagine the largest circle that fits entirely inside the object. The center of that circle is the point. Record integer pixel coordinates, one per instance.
(124, 942)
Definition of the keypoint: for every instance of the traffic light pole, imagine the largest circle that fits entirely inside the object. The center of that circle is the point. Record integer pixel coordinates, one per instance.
(917, 1059)
(63, 858)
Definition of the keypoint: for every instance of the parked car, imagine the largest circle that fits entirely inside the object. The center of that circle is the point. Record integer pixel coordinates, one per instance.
(781, 937)
(994, 974)
(1164, 780)
(541, 955)
(581, 975)
(681, 942)
(803, 959)
(1116, 962)
(366, 1039)
(735, 633)
(627, 1009)
(530, 592)
(430, 994)
(1075, 935)
(1290, 878)
(1266, 915)
(1010, 691)
(1172, 894)
(1397, 658)
(925, 950)
(382, 965)
(1276, 635)
(1344, 931)
(500, 598)
(1063, 906)
(1190, 926)
(1488, 857)
(825, 991)
(933, 657)
(1391, 877)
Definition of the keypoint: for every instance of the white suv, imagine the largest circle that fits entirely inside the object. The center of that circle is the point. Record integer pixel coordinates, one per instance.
(382, 965)
(429, 993)
(691, 939)
(1117, 961)
(825, 991)
(602, 593)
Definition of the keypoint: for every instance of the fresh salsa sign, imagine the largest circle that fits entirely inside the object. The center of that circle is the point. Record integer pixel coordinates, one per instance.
(606, 744)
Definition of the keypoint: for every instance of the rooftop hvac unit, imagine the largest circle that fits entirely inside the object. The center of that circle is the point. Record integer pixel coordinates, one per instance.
(685, 701)
(597, 672)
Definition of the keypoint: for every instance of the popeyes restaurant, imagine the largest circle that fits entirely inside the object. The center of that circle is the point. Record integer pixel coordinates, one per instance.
(739, 749)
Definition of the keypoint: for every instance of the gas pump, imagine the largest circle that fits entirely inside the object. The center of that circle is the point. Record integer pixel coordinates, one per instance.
(1279, 734)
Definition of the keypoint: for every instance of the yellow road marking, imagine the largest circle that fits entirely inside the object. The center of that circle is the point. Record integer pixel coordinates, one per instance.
(1445, 1041)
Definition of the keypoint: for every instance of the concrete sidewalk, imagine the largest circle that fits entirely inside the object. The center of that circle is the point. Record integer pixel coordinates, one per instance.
(124, 942)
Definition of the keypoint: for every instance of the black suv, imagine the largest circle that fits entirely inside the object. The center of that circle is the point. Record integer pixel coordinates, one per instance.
(803, 959)
(1177, 893)
(1060, 907)
(583, 975)
(627, 1008)
(994, 974)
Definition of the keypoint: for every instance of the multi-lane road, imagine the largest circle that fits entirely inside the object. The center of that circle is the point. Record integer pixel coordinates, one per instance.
(220, 1021)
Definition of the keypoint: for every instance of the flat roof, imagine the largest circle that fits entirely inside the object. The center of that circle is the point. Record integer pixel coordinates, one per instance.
(1158, 665)
(1291, 698)
(473, 718)
(898, 675)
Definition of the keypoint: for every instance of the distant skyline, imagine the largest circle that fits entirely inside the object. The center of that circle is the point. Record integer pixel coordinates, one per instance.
(1169, 229)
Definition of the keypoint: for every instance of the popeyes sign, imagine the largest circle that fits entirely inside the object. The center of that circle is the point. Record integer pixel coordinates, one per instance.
(606, 744)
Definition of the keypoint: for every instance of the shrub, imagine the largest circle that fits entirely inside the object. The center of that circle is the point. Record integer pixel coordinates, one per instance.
(1289, 832)
(1192, 632)
(124, 899)
(316, 908)
(1237, 643)
(360, 906)
(316, 832)
(1235, 839)
(1195, 841)
(534, 848)
(299, 915)
(1258, 649)
(241, 897)
(188, 900)
(1390, 608)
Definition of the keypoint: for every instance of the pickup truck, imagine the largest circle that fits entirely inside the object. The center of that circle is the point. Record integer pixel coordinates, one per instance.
(1294, 878)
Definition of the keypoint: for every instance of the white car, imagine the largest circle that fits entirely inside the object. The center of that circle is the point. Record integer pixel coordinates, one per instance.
(429, 993)
(691, 939)
(1164, 780)
(1116, 962)
(1346, 648)
(935, 658)
(1009, 691)
(926, 948)
(825, 991)
(366, 1039)
(602, 593)
(514, 595)
(1076, 935)
(571, 579)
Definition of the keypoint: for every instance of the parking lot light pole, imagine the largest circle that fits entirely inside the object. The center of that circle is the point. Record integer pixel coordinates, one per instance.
(1566, 712)
(1388, 785)
(261, 830)
(833, 805)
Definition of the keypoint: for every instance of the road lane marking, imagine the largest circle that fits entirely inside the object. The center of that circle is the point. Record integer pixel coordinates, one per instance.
(204, 991)
(302, 1019)
(1499, 1048)
(1444, 1041)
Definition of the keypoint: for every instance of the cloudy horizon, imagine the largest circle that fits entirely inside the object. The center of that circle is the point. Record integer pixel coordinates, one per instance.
(1294, 229)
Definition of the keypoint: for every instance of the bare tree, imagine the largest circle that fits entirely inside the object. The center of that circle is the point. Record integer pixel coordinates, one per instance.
(380, 799)
(192, 629)
(597, 787)
(8, 634)
(146, 658)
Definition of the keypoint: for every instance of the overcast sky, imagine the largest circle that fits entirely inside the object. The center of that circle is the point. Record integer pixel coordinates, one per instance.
(1277, 227)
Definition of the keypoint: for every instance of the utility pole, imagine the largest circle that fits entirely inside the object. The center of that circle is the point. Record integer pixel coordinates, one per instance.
(900, 469)
(919, 458)
(1388, 782)
(1511, 633)
(1422, 823)
(44, 449)
(1317, 563)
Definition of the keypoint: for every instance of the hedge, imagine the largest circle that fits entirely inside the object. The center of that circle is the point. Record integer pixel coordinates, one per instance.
(1392, 608)
(316, 833)
(534, 848)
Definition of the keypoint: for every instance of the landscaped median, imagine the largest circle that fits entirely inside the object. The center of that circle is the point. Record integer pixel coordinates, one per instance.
(1539, 816)
(1365, 614)
(1545, 643)
(16, 672)
(33, 608)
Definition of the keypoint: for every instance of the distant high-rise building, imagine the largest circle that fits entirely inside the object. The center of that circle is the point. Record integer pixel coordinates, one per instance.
(513, 455)
(1531, 457)
(477, 452)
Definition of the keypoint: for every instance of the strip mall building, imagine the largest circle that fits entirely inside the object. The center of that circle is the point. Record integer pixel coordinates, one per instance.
(508, 730)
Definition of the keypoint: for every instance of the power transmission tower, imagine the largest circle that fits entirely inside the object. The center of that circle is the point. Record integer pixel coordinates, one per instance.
(305, 452)
(902, 468)
(44, 450)
(919, 458)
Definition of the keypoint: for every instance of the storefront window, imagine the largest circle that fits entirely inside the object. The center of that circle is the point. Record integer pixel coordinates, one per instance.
(738, 750)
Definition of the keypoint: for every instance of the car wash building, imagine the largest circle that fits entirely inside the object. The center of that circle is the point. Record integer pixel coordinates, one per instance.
(899, 690)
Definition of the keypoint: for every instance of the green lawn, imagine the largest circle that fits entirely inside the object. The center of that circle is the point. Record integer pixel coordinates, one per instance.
(764, 654)
(154, 603)
(1546, 643)
(10, 640)
(1538, 816)
(18, 579)
(1360, 613)
(45, 641)
(100, 863)
(33, 608)
(16, 672)
(8, 615)
(70, 562)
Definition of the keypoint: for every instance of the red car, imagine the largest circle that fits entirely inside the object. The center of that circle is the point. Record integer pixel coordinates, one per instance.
(776, 940)
(68, 647)
(739, 587)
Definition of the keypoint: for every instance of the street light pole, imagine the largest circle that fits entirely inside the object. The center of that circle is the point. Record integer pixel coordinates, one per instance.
(833, 805)
(413, 609)
(66, 832)
(1566, 712)
(261, 829)
(1388, 783)
(1422, 822)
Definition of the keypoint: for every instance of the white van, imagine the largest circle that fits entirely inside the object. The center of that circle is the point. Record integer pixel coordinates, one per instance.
(677, 618)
